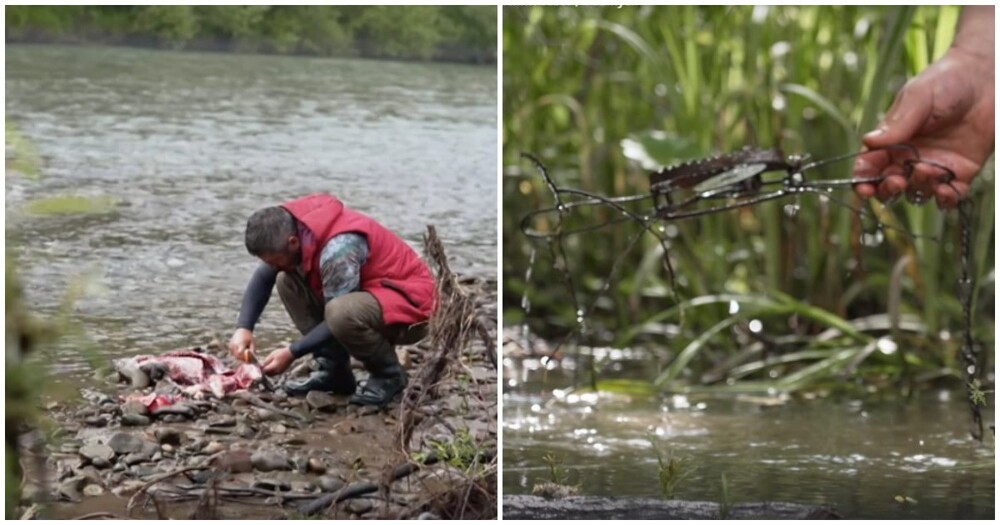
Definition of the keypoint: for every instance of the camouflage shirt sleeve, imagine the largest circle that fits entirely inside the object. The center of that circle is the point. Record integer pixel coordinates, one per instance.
(340, 264)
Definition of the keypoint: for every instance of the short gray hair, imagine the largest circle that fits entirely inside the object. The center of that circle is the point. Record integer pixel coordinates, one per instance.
(268, 230)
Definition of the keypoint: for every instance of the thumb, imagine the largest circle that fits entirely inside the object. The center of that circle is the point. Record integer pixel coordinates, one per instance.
(904, 119)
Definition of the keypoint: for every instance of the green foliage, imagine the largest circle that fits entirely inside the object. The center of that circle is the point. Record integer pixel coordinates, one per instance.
(672, 470)
(407, 32)
(554, 464)
(461, 452)
(605, 94)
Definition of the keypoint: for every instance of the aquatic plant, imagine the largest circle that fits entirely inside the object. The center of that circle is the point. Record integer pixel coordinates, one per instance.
(788, 295)
(672, 469)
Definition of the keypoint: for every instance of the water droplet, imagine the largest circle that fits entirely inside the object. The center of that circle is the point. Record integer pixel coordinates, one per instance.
(886, 346)
(792, 210)
(756, 326)
(734, 308)
(872, 239)
(971, 369)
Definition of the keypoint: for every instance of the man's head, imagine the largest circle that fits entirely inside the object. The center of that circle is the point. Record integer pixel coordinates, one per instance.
(273, 236)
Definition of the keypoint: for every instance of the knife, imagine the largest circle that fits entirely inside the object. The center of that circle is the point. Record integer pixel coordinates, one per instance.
(249, 357)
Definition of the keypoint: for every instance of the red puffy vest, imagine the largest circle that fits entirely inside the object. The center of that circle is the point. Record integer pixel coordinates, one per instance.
(394, 274)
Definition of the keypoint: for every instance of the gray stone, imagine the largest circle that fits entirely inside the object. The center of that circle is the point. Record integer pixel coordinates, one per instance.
(135, 407)
(125, 443)
(264, 414)
(213, 447)
(93, 490)
(330, 483)
(144, 471)
(276, 485)
(224, 409)
(168, 436)
(100, 463)
(179, 409)
(316, 466)
(173, 418)
(70, 489)
(134, 458)
(321, 401)
(268, 460)
(279, 429)
(97, 451)
(359, 505)
(368, 410)
(222, 421)
(245, 431)
(167, 448)
(135, 420)
(96, 421)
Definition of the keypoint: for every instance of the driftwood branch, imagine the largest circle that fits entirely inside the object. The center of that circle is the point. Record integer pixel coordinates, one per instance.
(354, 490)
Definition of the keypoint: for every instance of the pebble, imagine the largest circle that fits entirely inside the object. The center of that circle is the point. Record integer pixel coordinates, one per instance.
(331, 483)
(173, 418)
(135, 420)
(135, 407)
(167, 448)
(100, 463)
(97, 451)
(213, 447)
(276, 485)
(316, 465)
(222, 421)
(168, 436)
(143, 471)
(268, 460)
(236, 461)
(125, 443)
(360, 506)
(245, 431)
(278, 428)
(93, 490)
(70, 489)
(134, 459)
(95, 421)
(321, 401)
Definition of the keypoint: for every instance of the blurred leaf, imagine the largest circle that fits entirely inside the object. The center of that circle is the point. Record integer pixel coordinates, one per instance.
(655, 149)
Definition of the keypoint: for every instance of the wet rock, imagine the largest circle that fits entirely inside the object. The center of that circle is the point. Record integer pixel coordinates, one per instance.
(321, 401)
(97, 451)
(96, 421)
(359, 505)
(302, 486)
(213, 447)
(264, 414)
(69, 448)
(144, 471)
(70, 489)
(134, 407)
(100, 462)
(168, 436)
(276, 485)
(316, 466)
(224, 409)
(178, 409)
(93, 490)
(134, 459)
(173, 418)
(236, 461)
(368, 410)
(268, 460)
(167, 448)
(278, 428)
(125, 443)
(222, 421)
(135, 420)
(245, 431)
(330, 483)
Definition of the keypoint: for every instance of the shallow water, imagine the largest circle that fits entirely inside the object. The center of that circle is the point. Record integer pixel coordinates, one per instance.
(190, 144)
(854, 454)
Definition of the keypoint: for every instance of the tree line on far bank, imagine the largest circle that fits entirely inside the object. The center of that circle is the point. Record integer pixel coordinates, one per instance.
(452, 33)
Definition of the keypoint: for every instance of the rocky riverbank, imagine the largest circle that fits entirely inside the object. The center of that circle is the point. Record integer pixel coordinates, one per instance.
(258, 453)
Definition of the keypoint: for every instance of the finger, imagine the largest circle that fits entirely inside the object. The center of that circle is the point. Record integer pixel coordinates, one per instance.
(948, 195)
(908, 113)
(866, 166)
(893, 185)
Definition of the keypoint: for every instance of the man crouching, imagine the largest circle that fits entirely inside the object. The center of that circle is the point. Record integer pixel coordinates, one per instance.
(351, 286)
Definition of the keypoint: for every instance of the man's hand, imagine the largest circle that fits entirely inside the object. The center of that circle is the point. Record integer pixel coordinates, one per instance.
(946, 113)
(277, 361)
(241, 341)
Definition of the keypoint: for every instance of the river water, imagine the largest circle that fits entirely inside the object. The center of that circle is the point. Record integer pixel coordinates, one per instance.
(190, 144)
(858, 455)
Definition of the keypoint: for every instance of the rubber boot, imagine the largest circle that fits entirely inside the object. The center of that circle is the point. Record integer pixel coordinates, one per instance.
(334, 375)
(387, 378)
